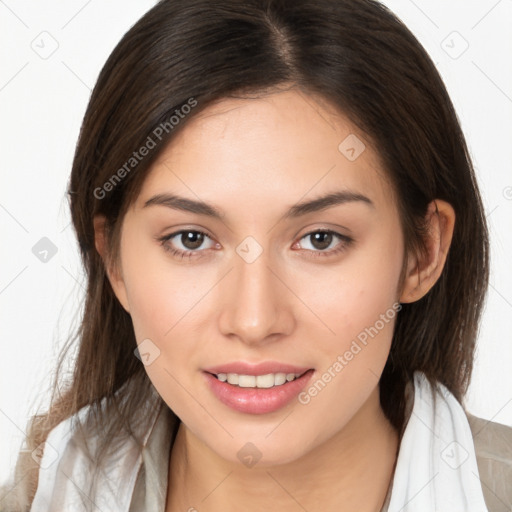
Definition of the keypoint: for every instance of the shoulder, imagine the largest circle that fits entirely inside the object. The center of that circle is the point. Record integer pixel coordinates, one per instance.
(34, 468)
(91, 455)
(493, 449)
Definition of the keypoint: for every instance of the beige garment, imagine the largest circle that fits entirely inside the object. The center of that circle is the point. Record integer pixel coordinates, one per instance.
(493, 448)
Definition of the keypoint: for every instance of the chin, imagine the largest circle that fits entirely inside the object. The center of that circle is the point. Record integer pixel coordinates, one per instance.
(259, 449)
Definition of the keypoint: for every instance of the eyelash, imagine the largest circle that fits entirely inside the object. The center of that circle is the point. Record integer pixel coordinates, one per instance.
(345, 243)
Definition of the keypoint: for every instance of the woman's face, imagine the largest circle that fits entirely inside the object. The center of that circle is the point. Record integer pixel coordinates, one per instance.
(264, 291)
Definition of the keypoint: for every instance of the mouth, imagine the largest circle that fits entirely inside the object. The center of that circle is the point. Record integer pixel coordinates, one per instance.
(269, 380)
(257, 389)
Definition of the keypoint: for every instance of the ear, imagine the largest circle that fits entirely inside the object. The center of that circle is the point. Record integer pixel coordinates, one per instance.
(423, 273)
(113, 272)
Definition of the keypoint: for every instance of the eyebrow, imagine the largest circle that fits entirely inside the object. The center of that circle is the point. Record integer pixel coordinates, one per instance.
(297, 210)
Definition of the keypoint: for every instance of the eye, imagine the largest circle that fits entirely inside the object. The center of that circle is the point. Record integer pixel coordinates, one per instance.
(322, 239)
(185, 243)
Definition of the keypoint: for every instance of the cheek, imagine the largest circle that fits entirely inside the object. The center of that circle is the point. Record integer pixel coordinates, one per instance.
(167, 306)
(161, 294)
(164, 307)
(358, 294)
(361, 309)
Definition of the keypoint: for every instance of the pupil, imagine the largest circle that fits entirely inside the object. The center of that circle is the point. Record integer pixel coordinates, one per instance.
(192, 239)
(324, 240)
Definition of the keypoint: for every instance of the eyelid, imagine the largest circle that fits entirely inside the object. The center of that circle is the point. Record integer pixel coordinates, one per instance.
(167, 238)
(324, 230)
(345, 242)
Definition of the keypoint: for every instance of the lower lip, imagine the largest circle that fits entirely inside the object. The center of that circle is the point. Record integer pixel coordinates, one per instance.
(257, 400)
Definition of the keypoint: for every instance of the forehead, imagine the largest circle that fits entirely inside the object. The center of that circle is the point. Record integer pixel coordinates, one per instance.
(271, 150)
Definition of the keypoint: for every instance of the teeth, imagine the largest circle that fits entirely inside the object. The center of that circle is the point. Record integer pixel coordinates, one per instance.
(233, 378)
(257, 381)
(246, 381)
(279, 378)
(265, 381)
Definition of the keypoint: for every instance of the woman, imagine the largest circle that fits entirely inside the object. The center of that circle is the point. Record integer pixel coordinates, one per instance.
(287, 258)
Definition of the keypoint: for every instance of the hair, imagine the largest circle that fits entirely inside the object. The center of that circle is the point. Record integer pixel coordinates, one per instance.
(360, 58)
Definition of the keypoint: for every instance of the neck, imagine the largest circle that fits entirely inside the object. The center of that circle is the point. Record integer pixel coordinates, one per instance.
(350, 471)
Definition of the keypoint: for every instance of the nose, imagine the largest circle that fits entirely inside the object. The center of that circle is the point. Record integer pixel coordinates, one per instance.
(257, 305)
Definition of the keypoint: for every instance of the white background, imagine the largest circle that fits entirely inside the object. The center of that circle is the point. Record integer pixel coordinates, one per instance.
(42, 101)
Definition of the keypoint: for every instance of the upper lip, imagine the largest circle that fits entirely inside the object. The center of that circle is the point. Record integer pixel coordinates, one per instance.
(263, 368)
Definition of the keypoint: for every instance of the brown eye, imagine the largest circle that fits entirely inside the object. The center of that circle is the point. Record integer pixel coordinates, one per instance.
(186, 243)
(192, 239)
(321, 240)
(325, 242)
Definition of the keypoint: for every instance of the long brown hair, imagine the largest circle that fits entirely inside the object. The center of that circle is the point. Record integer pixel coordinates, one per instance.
(353, 53)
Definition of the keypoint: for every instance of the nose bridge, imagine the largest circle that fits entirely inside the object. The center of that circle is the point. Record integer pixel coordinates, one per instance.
(255, 308)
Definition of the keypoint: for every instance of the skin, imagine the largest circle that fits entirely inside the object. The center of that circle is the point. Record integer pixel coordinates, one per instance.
(253, 159)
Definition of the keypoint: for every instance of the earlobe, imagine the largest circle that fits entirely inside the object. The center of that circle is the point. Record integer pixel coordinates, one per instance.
(99, 235)
(423, 273)
(113, 273)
